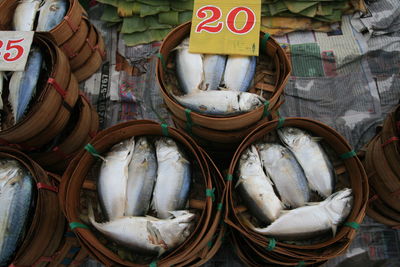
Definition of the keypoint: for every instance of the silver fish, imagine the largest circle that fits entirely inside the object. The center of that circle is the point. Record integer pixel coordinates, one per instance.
(23, 84)
(214, 66)
(218, 102)
(189, 68)
(51, 14)
(25, 14)
(173, 178)
(142, 173)
(147, 234)
(256, 188)
(312, 158)
(113, 178)
(313, 220)
(286, 173)
(239, 72)
(15, 198)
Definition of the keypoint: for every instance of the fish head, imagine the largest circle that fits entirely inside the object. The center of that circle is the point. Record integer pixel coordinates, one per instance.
(338, 205)
(166, 148)
(142, 143)
(249, 101)
(291, 135)
(9, 170)
(271, 152)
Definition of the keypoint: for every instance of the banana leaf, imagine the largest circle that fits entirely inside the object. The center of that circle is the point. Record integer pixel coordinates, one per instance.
(144, 37)
(182, 6)
(185, 16)
(309, 12)
(146, 10)
(110, 14)
(109, 2)
(171, 18)
(335, 17)
(153, 24)
(128, 9)
(298, 6)
(113, 24)
(133, 24)
(155, 2)
(324, 9)
(277, 8)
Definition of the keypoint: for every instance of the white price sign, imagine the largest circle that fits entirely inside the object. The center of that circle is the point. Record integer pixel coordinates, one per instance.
(14, 49)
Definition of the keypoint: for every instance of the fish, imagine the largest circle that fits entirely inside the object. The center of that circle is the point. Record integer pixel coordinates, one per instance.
(147, 234)
(142, 174)
(189, 68)
(255, 187)
(51, 14)
(16, 190)
(113, 178)
(239, 72)
(23, 84)
(214, 66)
(286, 174)
(222, 103)
(172, 185)
(312, 220)
(25, 15)
(312, 158)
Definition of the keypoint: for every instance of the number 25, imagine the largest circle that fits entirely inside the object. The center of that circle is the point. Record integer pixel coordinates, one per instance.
(216, 15)
(12, 44)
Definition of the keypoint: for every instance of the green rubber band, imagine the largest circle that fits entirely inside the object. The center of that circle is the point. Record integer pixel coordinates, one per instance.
(189, 121)
(348, 155)
(209, 243)
(219, 206)
(161, 57)
(281, 121)
(164, 129)
(229, 177)
(264, 42)
(210, 193)
(272, 244)
(89, 148)
(153, 264)
(75, 225)
(266, 106)
(301, 263)
(353, 225)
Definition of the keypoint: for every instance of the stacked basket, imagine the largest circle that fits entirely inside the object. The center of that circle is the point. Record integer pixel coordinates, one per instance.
(75, 35)
(258, 250)
(213, 132)
(382, 163)
(78, 188)
(56, 110)
(38, 247)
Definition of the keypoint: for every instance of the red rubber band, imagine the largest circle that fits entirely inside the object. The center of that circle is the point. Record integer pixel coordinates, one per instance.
(373, 198)
(70, 24)
(92, 134)
(84, 97)
(69, 52)
(390, 140)
(47, 187)
(56, 86)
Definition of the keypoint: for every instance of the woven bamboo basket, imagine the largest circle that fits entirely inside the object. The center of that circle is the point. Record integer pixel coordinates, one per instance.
(82, 125)
(350, 174)
(74, 44)
(94, 62)
(56, 91)
(47, 217)
(76, 180)
(270, 81)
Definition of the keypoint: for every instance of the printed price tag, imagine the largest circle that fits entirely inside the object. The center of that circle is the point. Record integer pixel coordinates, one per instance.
(14, 49)
(225, 27)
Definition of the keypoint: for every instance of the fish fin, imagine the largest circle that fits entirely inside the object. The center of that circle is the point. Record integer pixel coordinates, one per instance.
(91, 214)
(283, 212)
(239, 181)
(152, 218)
(312, 203)
(155, 238)
(223, 88)
(178, 213)
(334, 229)
(317, 138)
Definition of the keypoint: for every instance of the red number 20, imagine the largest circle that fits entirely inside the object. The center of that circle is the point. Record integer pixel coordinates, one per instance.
(216, 14)
(12, 44)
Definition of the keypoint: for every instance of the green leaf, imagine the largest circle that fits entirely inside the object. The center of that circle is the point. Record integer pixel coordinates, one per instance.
(153, 24)
(147, 10)
(185, 16)
(110, 14)
(133, 24)
(171, 18)
(144, 37)
(182, 6)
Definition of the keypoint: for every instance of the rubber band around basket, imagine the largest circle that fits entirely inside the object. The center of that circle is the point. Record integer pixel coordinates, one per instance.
(390, 140)
(210, 193)
(89, 148)
(161, 57)
(220, 206)
(264, 41)
(47, 187)
(67, 107)
(271, 244)
(229, 177)
(266, 106)
(189, 121)
(153, 264)
(164, 129)
(71, 24)
(56, 86)
(75, 225)
(373, 198)
(301, 263)
(353, 225)
(348, 155)
(69, 52)
(60, 152)
(281, 121)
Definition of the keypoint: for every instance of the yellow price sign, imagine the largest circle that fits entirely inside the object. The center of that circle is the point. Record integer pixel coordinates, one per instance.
(225, 27)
